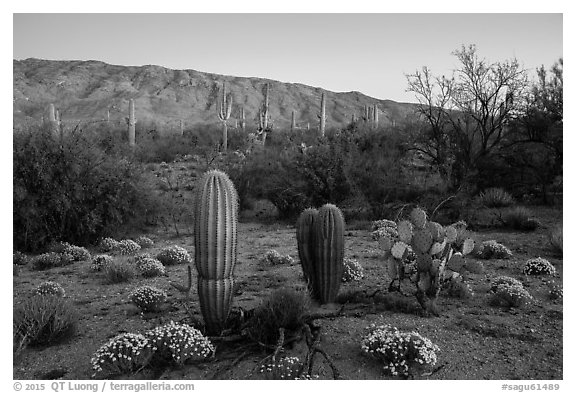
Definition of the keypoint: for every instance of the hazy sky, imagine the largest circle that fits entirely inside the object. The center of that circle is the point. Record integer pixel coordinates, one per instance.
(370, 53)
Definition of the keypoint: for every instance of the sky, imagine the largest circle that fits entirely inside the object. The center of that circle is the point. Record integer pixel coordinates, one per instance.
(370, 53)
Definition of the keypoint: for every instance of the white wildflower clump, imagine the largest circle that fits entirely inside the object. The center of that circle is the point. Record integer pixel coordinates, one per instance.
(148, 298)
(99, 262)
(107, 244)
(353, 270)
(144, 242)
(402, 353)
(273, 257)
(127, 247)
(509, 292)
(74, 253)
(50, 288)
(285, 368)
(492, 249)
(537, 266)
(150, 267)
(123, 354)
(179, 343)
(384, 228)
(555, 291)
(173, 255)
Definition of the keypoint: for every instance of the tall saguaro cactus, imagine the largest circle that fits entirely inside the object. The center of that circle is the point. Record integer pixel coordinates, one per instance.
(215, 241)
(53, 121)
(375, 116)
(322, 114)
(131, 124)
(293, 122)
(242, 119)
(224, 111)
(264, 113)
(320, 236)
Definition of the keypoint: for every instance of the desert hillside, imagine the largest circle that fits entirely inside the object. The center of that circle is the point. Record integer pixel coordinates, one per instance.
(87, 90)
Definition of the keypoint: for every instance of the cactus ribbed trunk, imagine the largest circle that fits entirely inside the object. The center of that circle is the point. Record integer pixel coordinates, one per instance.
(323, 115)
(265, 114)
(306, 251)
(53, 122)
(224, 111)
(375, 116)
(329, 252)
(131, 124)
(293, 122)
(215, 241)
(243, 120)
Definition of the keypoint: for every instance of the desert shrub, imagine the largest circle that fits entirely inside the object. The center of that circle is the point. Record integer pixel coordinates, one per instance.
(48, 260)
(107, 244)
(177, 343)
(70, 188)
(474, 266)
(555, 240)
(144, 242)
(495, 197)
(457, 288)
(509, 292)
(490, 249)
(123, 354)
(173, 255)
(44, 320)
(75, 253)
(118, 271)
(273, 257)
(520, 218)
(126, 247)
(402, 353)
(50, 288)
(99, 262)
(555, 290)
(284, 368)
(19, 258)
(385, 231)
(539, 266)
(150, 267)
(383, 223)
(353, 270)
(148, 298)
(285, 308)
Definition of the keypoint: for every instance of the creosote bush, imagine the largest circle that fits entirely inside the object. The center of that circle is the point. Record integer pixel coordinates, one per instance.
(285, 308)
(403, 354)
(44, 320)
(71, 188)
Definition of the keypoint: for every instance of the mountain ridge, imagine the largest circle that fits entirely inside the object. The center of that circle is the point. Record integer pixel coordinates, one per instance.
(85, 90)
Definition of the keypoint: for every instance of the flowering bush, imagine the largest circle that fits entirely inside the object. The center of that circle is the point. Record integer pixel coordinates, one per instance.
(47, 260)
(99, 262)
(148, 298)
(178, 343)
(273, 257)
(537, 266)
(75, 253)
(509, 292)
(107, 244)
(126, 247)
(492, 249)
(383, 224)
(173, 255)
(285, 368)
(353, 271)
(123, 354)
(50, 288)
(150, 267)
(555, 290)
(402, 353)
(389, 231)
(19, 258)
(144, 242)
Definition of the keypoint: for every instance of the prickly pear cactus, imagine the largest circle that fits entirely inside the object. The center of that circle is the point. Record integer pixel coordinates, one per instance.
(215, 240)
(435, 257)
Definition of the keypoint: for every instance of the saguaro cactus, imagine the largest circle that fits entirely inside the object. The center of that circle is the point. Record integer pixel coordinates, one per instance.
(293, 122)
(264, 113)
(131, 124)
(215, 241)
(320, 236)
(242, 119)
(375, 116)
(181, 130)
(224, 111)
(53, 121)
(322, 114)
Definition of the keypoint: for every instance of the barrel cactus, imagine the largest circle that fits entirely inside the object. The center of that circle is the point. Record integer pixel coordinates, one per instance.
(320, 236)
(215, 240)
(434, 248)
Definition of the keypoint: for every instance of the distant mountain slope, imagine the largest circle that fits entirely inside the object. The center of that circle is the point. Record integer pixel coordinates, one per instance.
(86, 90)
